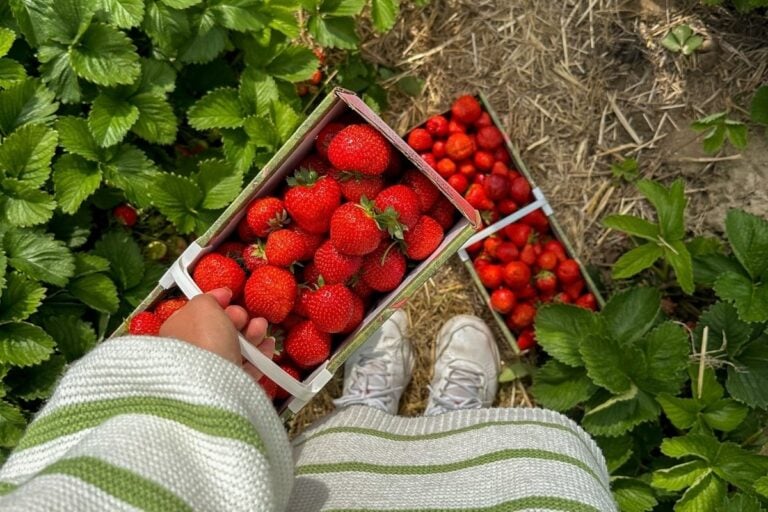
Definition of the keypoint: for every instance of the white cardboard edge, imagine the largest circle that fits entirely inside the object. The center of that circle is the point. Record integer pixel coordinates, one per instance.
(540, 202)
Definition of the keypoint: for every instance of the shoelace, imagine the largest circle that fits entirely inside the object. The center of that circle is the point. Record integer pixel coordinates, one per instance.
(462, 390)
(371, 384)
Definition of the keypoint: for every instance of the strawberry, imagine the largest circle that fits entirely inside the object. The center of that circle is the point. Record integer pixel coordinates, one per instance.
(359, 147)
(384, 269)
(265, 214)
(311, 243)
(426, 190)
(423, 239)
(520, 190)
(291, 321)
(502, 155)
(527, 292)
(217, 271)
(446, 168)
(166, 308)
(466, 109)
(506, 206)
(311, 199)
(334, 266)
(587, 301)
(301, 307)
(568, 271)
(490, 275)
(310, 275)
(244, 232)
(526, 339)
(315, 162)
(501, 168)
(355, 228)
(507, 252)
(358, 312)
(307, 346)
(483, 160)
(546, 282)
(556, 247)
(469, 170)
(574, 288)
(437, 126)
(502, 300)
(516, 274)
(275, 392)
(231, 249)
(330, 307)
(254, 256)
(270, 292)
(491, 245)
(484, 120)
(522, 316)
(459, 182)
(455, 126)
(430, 159)
(495, 186)
(360, 287)
(317, 77)
(562, 298)
(438, 149)
(403, 201)
(320, 54)
(547, 260)
(518, 234)
(528, 254)
(420, 139)
(443, 212)
(125, 214)
(145, 323)
(284, 247)
(459, 146)
(489, 137)
(325, 136)
(476, 197)
(355, 186)
(538, 220)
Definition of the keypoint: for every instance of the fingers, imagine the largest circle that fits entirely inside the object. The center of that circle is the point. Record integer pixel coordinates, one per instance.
(252, 371)
(222, 295)
(238, 316)
(256, 330)
(267, 347)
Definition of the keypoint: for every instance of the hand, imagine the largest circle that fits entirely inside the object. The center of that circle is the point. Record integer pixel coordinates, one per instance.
(209, 321)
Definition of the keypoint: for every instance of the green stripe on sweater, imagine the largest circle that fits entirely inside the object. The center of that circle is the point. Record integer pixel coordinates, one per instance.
(425, 469)
(74, 418)
(121, 483)
(6, 487)
(540, 502)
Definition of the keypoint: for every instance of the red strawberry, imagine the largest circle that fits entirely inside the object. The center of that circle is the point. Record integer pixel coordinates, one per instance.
(502, 155)
(502, 300)
(489, 137)
(495, 186)
(315, 162)
(420, 140)
(476, 197)
(526, 339)
(574, 288)
(430, 159)
(426, 191)
(546, 282)
(325, 136)
(443, 212)
(311, 243)
(307, 346)
(568, 271)
(355, 186)
(359, 147)
(557, 248)
(270, 292)
(547, 260)
(358, 312)
(562, 298)
(423, 239)
(518, 234)
(301, 307)
(446, 168)
(360, 287)
(466, 109)
(516, 274)
(507, 252)
(311, 200)
(527, 292)
(384, 269)
(330, 307)
(275, 392)
(310, 274)
(587, 301)
(483, 160)
(244, 232)
(520, 191)
(334, 266)
(265, 214)
(459, 182)
(469, 170)
(491, 245)
(284, 247)
(522, 316)
(459, 146)
(528, 254)
(403, 200)
(165, 309)
(217, 271)
(125, 214)
(455, 126)
(231, 249)
(437, 126)
(506, 206)
(538, 220)
(438, 149)
(490, 275)
(484, 120)
(145, 323)
(254, 256)
(355, 228)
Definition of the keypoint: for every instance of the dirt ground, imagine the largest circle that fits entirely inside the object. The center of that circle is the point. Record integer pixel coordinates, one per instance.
(579, 85)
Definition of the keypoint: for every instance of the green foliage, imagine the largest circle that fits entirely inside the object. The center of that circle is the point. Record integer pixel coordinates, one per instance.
(759, 108)
(626, 170)
(682, 39)
(740, 5)
(719, 127)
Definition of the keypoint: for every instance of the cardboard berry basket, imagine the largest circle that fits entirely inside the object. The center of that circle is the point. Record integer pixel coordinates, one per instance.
(337, 104)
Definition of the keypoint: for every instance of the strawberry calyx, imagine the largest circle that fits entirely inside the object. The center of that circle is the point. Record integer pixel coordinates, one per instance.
(387, 220)
(305, 177)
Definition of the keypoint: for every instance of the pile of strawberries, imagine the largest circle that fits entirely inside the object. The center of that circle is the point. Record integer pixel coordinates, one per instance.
(312, 257)
(523, 266)
(468, 150)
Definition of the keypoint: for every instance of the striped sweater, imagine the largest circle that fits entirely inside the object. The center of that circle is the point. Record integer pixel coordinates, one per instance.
(156, 424)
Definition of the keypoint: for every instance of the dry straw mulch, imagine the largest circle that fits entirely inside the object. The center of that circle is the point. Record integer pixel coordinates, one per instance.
(580, 85)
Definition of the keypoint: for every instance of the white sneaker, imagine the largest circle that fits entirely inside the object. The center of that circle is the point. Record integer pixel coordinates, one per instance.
(466, 369)
(378, 371)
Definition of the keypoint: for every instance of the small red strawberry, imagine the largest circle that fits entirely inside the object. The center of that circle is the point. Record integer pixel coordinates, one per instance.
(311, 243)
(526, 339)
(361, 148)
(527, 292)
(546, 282)
(476, 197)
(516, 274)
(330, 307)
(438, 149)
(507, 252)
(455, 126)
(483, 120)
(284, 247)
(360, 288)
(145, 323)
(521, 316)
(556, 247)
(166, 308)
(426, 191)
(316, 77)
(520, 191)
(459, 183)
(420, 140)
(491, 245)
(574, 289)
(244, 232)
(502, 155)
(518, 234)
(506, 207)
(490, 275)
(587, 301)
(446, 168)
(538, 220)
(356, 229)
(496, 186)
(354, 186)
(423, 239)
(547, 260)
(325, 136)
(384, 269)
(358, 313)
(125, 214)
(466, 109)
(459, 146)
(430, 159)
(437, 126)
(489, 137)
(502, 300)
(231, 249)
(310, 274)
(307, 346)
(403, 200)
(315, 162)
(275, 392)
(254, 256)
(311, 200)
(270, 292)
(217, 271)
(568, 271)
(483, 160)
(528, 254)
(301, 307)
(443, 212)
(265, 214)
(562, 298)
(334, 266)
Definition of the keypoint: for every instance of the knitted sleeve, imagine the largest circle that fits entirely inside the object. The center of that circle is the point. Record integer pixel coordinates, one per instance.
(153, 424)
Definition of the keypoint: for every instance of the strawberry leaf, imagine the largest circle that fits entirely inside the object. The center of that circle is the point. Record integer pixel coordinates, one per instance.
(7, 37)
(759, 108)
(220, 183)
(204, 46)
(636, 260)
(110, 119)
(218, 109)
(238, 149)
(74, 337)
(669, 203)
(748, 376)
(384, 14)
(129, 169)
(181, 4)
(633, 225)
(23, 205)
(105, 56)
(334, 32)
(57, 72)
(76, 138)
(74, 180)
(24, 344)
(26, 154)
(124, 13)
(750, 299)
(20, 299)
(126, 265)
(178, 198)
(615, 415)
(561, 387)
(11, 72)
(157, 122)
(633, 495)
(26, 102)
(38, 256)
(12, 424)
(38, 381)
(561, 328)
(294, 64)
(238, 15)
(97, 291)
(748, 237)
(628, 315)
